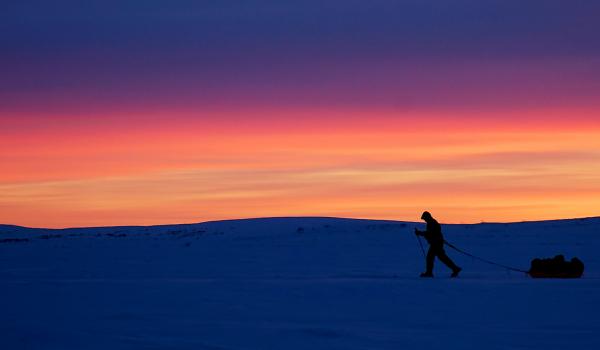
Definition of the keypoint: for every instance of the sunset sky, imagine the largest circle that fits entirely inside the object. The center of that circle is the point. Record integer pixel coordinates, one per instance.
(155, 112)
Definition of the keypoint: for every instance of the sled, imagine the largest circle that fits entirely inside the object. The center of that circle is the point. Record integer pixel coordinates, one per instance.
(555, 275)
(556, 267)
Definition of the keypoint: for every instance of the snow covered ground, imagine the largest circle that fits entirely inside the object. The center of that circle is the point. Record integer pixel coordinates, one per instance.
(293, 283)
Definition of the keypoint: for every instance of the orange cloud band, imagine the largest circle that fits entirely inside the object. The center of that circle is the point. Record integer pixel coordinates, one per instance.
(498, 167)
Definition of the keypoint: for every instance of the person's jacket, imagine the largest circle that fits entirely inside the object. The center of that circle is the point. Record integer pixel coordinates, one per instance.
(433, 234)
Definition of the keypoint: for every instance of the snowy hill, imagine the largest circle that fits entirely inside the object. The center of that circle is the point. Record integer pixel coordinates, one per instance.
(293, 283)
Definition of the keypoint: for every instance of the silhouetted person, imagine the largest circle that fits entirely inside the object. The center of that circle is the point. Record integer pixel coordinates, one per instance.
(433, 235)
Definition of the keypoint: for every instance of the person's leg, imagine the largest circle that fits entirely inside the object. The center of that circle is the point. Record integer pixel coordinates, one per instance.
(430, 258)
(441, 254)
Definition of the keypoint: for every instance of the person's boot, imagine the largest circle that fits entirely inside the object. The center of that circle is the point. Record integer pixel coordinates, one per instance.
(426, 274)
(455, 272)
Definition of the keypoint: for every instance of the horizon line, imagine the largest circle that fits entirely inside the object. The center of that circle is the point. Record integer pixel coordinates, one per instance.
(301, 217)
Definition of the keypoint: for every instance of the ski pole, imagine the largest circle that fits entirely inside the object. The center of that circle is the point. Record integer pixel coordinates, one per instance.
(421, 245)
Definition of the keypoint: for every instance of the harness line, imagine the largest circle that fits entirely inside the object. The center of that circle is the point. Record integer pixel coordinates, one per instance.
(484, 260)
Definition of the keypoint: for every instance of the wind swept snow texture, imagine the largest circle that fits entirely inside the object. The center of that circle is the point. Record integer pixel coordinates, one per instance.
(293, 283)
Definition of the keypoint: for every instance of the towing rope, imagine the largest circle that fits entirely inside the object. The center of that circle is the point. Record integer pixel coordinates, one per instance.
(484, 260)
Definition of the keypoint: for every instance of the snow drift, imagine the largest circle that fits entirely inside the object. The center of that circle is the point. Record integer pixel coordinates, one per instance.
(293, 283)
